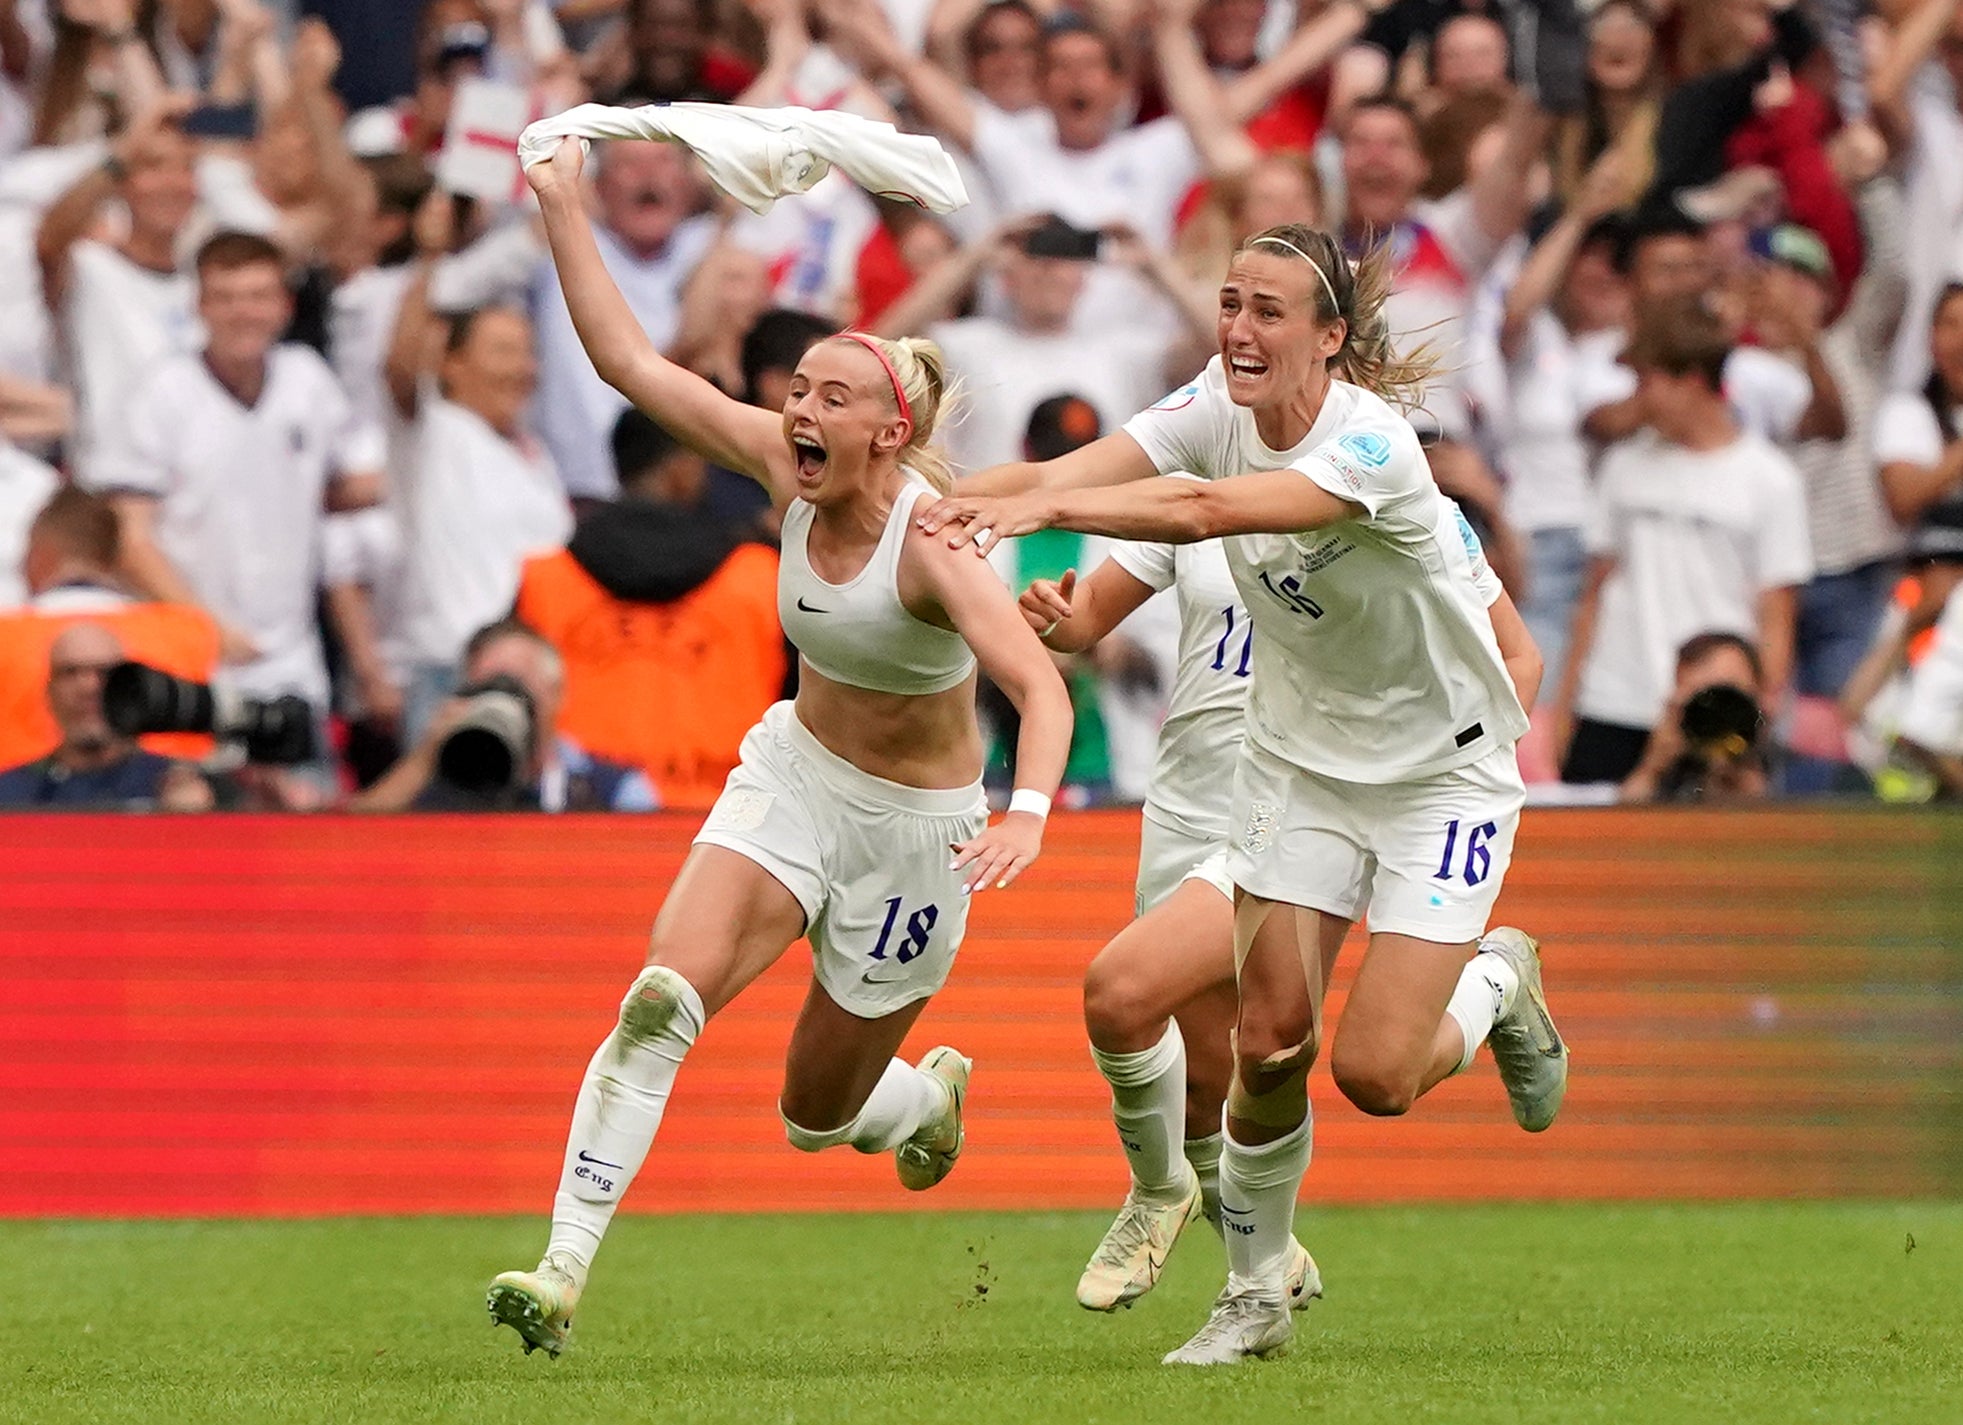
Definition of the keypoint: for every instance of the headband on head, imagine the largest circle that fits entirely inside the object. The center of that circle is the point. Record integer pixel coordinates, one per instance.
(899, 392)
(1327, 285)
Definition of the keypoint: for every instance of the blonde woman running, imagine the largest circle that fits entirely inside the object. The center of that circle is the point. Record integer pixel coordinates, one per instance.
(838, 822)
(1390, 672)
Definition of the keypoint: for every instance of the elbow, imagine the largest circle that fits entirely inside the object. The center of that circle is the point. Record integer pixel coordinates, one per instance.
(1202, 513)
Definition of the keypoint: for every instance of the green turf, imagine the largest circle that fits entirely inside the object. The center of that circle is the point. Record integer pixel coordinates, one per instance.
(1520, 1315)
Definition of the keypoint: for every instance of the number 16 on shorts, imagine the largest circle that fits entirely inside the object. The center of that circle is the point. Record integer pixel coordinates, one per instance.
(1478, 858)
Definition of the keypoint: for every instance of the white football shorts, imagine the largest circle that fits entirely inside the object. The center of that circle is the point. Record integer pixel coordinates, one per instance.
(1167, 856)
(865, 857)
(1425, 858)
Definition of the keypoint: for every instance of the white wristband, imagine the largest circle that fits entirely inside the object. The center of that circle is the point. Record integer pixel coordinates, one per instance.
(1023, 799)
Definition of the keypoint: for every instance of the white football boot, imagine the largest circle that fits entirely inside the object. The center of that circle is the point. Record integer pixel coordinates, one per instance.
(1532, 1058)
(929, 1155)
(1242, 1324)
(1303, 1283)
(538, 1305)
(1128, 1261)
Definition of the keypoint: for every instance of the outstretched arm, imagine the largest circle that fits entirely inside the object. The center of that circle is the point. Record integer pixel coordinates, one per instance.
(1166, 507)
(717, 427)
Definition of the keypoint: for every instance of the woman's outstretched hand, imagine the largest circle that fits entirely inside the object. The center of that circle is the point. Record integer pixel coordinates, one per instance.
(981, 520)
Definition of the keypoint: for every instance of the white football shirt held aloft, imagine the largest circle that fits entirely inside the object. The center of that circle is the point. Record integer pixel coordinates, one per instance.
(1375, 660)
(1193, 769)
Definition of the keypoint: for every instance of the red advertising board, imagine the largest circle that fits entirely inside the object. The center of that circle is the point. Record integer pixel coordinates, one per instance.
(300, 1016)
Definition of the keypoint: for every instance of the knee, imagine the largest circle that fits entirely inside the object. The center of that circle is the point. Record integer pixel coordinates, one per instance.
(1117, 1008)
(660, 1001)
(1379, 1089)
(1287, 1042)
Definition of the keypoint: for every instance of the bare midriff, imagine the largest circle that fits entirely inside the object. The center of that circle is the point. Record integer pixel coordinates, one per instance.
(916, 739)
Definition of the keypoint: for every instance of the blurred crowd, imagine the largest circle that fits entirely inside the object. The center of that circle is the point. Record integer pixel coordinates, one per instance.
(292, 412)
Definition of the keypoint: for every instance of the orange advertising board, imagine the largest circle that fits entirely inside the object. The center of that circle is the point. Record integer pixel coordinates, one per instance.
(302, 1016)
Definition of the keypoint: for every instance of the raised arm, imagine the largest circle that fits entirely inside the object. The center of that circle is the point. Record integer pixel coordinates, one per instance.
(934, 94)
(1193, 92)
(1502, 194)
(1546, 267)
(1314, 44)
(721, 429)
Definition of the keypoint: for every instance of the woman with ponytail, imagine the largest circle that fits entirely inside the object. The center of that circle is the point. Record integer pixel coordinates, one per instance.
(1389, 677)
(838, 822)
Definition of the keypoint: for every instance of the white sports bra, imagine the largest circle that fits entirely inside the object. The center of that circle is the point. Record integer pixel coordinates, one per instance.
(858, 632)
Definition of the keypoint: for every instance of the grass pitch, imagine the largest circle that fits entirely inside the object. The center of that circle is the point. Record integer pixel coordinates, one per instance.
(1773, 1313)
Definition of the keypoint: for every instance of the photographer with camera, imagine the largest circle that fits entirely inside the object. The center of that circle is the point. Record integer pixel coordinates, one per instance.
(1698, 525)
(96, 765)
(492, 746)
(1710, 743)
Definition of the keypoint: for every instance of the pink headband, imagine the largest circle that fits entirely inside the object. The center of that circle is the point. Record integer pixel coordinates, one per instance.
(899, 394)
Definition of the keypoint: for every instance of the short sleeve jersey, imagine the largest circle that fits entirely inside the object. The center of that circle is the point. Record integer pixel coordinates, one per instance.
(1375, 660)
(1193, 770)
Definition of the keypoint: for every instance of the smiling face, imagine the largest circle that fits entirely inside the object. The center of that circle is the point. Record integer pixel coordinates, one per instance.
(839, 416)
(1383, 166)
(1082, 87)
(1273, 338)
(1621, 46)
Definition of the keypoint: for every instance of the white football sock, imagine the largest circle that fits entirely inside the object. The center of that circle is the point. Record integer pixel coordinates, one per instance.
(1484, 992)
(1258, 1187)
(902, 1101)
(1148, 1103)
(1204, 1155)
(619, 1110)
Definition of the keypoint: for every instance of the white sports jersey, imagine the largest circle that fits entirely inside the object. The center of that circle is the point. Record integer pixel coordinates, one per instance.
(1193, 772)
(859, 633)
(1376, 661)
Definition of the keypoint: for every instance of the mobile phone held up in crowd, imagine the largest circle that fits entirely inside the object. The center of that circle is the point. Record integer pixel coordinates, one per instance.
(221, 121)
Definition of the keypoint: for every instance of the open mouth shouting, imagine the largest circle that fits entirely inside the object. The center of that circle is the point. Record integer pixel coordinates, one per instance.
(1246, 368)
(811, 458)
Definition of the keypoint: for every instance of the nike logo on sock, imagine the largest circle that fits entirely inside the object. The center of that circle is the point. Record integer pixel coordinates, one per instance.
(586, 1157)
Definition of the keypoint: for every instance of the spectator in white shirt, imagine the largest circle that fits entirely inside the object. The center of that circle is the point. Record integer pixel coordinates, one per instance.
(223, 466)
(1009, 365)
(123, 306)
(477, 492)
(1666, 255)
(1918, 445)
(1699, 527)
(1567, 304)
(25, 485)
(1073, 157)
(651, 241)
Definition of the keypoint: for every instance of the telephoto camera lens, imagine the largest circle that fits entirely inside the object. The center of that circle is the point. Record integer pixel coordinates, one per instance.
(491, 745)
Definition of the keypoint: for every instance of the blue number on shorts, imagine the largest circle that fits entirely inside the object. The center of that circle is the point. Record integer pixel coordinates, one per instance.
(1478, 858)
(1247, 645)
(919, 926)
